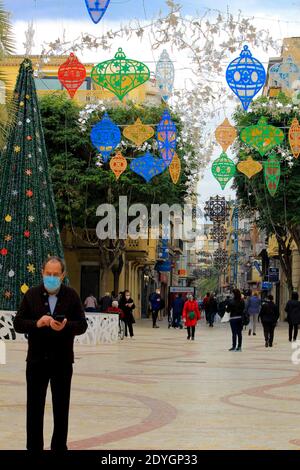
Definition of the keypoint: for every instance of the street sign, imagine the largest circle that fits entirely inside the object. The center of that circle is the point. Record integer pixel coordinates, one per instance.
(266, 285)
(273, 274)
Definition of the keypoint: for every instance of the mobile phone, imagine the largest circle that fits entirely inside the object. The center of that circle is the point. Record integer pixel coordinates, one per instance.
(59, 318)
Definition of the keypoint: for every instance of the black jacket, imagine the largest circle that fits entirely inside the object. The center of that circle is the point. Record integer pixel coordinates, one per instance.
(293, 312)
(236, 308)
(45, 343)
(128, 315)
(269, 312)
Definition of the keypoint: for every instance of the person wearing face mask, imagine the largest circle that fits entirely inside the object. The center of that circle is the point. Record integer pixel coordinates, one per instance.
(126, 304)
(191, 315)
(157, 304)
(51, 314)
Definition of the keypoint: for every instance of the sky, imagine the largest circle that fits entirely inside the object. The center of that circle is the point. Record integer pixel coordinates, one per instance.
(51, 18)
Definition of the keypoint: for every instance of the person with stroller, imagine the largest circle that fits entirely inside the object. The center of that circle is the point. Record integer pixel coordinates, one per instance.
(191, 315)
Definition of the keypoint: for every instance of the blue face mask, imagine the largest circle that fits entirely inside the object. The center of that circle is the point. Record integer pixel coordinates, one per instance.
(52, 283)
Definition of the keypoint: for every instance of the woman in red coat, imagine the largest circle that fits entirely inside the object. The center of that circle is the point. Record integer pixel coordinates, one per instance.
(190, 316)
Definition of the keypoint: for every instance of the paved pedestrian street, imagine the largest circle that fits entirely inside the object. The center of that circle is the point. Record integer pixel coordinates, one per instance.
(160, 391)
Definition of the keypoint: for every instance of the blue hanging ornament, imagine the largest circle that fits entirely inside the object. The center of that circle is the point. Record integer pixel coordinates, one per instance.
(165, 75)
(166, 137)
(105, 136)
(245, 76)
(147, 166)
(96, 9)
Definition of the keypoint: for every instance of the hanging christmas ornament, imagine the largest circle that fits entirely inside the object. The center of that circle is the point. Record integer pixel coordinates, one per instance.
(294, 137)
(8, 294)
(24, 288)
(118, 164)
(263, 137)
(3, 251)
(175, 168)
(288, 71)
(105, 136)
(249, 167)
(245, 76)
(8, 218)
(72, 74)
(120, 75)
(8, 238)
(138, 132)
(147, 166)
(96, 9)
(220, 258)
(217, 209)
(272, 173)
(165, 74)
(218, 233)
(225, 134)
(29, 193)
(31, 268)
(166, 137)
(223, 169)
(11, 273)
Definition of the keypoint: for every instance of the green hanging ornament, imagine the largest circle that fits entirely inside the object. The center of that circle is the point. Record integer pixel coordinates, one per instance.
(120, 75)
(223, 169)
(263, 137)
(272, 173)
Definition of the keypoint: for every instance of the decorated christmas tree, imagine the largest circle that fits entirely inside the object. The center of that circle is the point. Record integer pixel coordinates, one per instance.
(28, 222)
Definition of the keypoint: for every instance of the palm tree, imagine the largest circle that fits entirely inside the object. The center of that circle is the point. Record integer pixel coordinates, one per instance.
(6, 48)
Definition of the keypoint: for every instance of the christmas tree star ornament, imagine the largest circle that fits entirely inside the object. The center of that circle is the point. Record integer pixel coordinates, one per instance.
(138, 132)
(263, 136)
(294, 137)
(223, 169)
(8, 238)
(72, 74)
(8, 294)
(175, 168)
(245, 76)
(165, 74)
(105, 136)
(24, 288)
(147, 166)
(249, 167)
(118, 164)
(96, 9)
(272, 173)
(29, 193)
(166, 137)
(120, 75)
(8, 218)
(31, 268)
(225, 134)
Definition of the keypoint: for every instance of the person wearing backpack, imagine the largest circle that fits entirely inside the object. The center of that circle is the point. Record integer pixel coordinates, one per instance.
(191, 315)
(293, 316)
(269, 315)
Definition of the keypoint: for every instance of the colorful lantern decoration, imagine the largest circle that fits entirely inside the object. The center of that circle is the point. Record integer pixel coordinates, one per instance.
(147, 166)
(223, 169)
(294, 137)
(245, 76)
(249, 167)
(166, 137)
(263, 137)
(175, 168)
(120, 75)
(105, 136)
(288, 71)
(216, 209)
(165, 75)
(96, 9)
(118, 164)
(225, 134)
(272, 173)
(72, 74)
(138, 132)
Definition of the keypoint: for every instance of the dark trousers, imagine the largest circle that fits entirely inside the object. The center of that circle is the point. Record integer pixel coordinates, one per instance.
(154, 316)
(236, 328)
(128, 324)
(269, 332)
(293, 329)
(189, 328)
(210, 317)
(176, 319)
(38, 376)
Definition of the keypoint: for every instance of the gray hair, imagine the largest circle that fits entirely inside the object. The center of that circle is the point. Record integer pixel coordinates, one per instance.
(55, 259)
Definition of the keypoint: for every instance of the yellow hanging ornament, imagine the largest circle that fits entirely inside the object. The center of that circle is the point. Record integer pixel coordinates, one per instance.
(118, 164)
(24, 288)
(175, 168)
(138, 132)
(8, 218)
(294, 137)
(225, 134)
(249, 167)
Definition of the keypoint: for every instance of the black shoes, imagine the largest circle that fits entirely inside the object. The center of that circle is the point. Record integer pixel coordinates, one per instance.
(266, 344)
(249, 332)
(231, 349)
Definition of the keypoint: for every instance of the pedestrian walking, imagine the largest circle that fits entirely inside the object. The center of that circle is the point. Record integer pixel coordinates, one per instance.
(211, 309)
(253, 305)
(157, 304)
(205, 303)
(177, 307)
(127, 305)
(236, 309)
(191, 315)
(269, 315)
(51, 314)
(292, 309)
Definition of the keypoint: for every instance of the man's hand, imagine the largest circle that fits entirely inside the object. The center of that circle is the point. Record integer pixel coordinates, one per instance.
(43, 321)
(57, 325)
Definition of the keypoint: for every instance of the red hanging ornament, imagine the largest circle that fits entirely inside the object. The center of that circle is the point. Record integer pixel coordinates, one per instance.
(29, 137)
(29, 193)
(26, 234)
(4, 252)
(72, 74)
